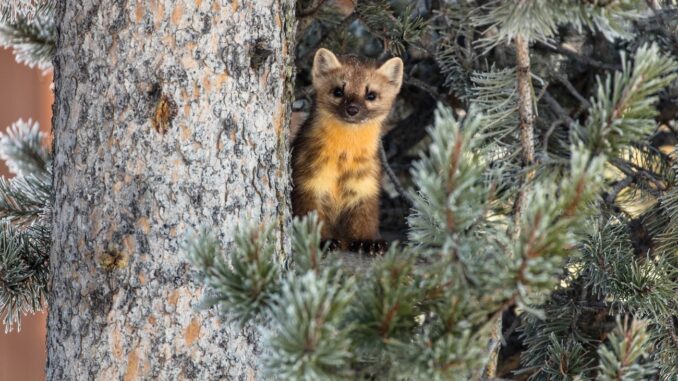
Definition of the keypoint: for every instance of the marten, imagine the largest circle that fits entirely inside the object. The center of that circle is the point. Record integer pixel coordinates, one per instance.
(336, 169)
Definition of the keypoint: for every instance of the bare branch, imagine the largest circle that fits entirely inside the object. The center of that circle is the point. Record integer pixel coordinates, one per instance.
(526, 112)
(392, 176)
(568, 85)
(577, 57)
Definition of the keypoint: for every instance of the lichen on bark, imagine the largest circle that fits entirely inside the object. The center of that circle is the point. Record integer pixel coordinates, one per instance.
(124, 185)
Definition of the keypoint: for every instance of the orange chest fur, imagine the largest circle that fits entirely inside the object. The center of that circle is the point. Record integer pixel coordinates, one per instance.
(346, 167)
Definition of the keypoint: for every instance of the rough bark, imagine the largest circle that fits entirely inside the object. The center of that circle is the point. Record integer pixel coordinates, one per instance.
(526, 126)
(169, 116)
(525, 101)
(525, 104)
(526, 113)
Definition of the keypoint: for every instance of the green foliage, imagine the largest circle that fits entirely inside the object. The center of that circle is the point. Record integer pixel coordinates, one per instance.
(494, 92)
(395, 31)
(32, 36)
(611, 18)
(623, 109)
(611, 273)
(621, 358)
(398, 319)
(385, 311)
(538, 20)
(23, 275)
(24, 199)
(12, 9)
(25, 212)
(307, 340)
(245, 285)
(22, 149)
(556, 214)
(559, 342)
(668, 232)
(595, 240)
(446, 357)
(450, 182)
(567, 263)
(306, 243)
(566, 360)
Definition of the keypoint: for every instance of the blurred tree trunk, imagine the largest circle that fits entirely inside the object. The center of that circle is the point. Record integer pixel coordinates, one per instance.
(169, 116)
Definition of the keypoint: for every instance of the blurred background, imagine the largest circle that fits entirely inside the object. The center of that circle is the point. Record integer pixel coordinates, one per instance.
(24, 93)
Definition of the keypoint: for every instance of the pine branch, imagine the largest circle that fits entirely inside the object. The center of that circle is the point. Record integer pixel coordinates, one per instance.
(14, 9)
(427, 308)
(550, 224)
(22, 149)
(392, 176)
(23, 276)
(621, 358)
(25, 212)
(532, 20)
(525, 104)
(306, 243)
(558, 345)
(623, 109)
(242, 286)
(448, 181)
(494, 92)
(536, 21)
(387, 306)
(345, 23)
(668, 232)
(306, 340)
(611, 18)
(395, 32)
(560, 49)
(32, 37)
(25, 200)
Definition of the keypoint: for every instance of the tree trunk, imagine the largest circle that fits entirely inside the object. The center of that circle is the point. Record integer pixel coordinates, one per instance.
(169, 116)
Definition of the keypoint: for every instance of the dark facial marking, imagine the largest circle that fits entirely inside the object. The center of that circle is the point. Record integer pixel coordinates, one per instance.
(338, 92)
(370, 95)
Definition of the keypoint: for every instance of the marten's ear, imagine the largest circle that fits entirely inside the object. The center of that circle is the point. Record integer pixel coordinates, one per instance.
(393, 71)
(324, 62)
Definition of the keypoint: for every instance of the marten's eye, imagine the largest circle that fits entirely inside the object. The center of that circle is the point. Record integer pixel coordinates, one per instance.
(338, 92)
(371, 96)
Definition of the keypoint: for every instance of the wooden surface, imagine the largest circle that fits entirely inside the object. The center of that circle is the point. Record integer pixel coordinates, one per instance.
(169, 115)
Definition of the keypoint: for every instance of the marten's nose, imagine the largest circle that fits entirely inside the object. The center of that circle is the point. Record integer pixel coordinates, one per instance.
(352, 110)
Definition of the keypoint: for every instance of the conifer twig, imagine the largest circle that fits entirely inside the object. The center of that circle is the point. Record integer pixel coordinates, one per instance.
(618, 187)
(392, 176)
(431, 90)
(348, 20)
(577, 57)
(526, 121)
(570, 87)
(555, 106)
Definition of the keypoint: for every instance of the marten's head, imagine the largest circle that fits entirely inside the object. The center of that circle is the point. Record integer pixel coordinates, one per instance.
(354, 90)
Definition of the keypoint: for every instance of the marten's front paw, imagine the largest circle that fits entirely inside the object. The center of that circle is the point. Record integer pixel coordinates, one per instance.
(368, 246)
(331, 244)
(365, 246)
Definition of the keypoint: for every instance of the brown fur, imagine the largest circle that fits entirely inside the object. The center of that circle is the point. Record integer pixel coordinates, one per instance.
(335, 161)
